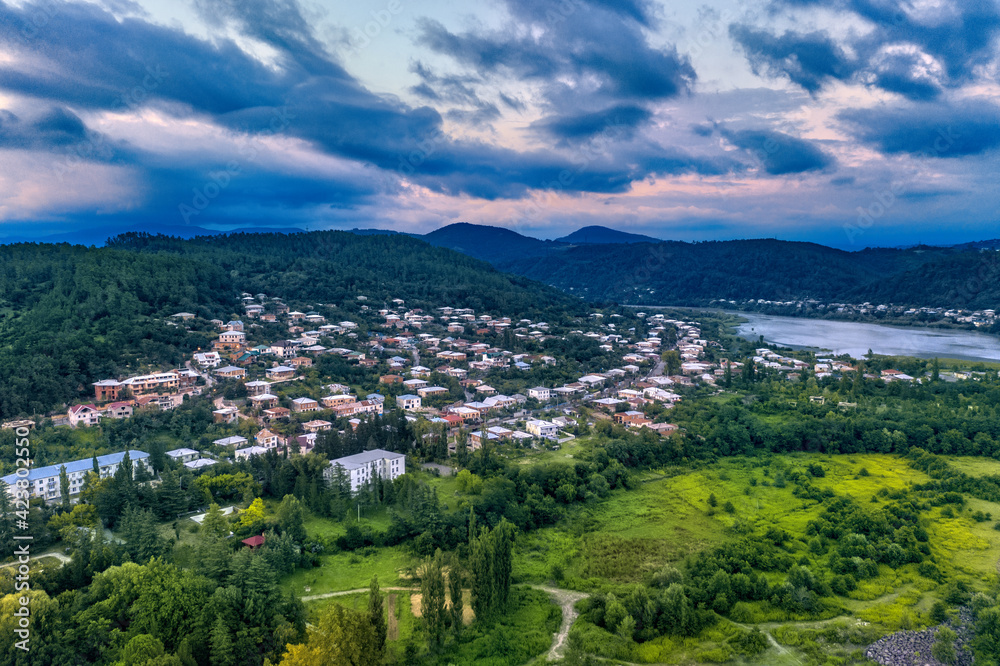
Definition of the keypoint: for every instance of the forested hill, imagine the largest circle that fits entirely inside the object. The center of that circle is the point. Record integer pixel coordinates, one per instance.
(336, 266)
(679, 273)
(71, 315)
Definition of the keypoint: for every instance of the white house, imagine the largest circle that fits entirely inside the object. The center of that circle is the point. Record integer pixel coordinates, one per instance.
(542, 428)
(208, 359)
(85, 415)
(362, 467)
(183, 455)
(243, 454)
(408, 402)
(235, 440)
(539, 393)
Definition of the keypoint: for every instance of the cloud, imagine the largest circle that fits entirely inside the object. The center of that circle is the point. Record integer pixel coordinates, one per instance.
(933, 130)
(780, 154)
(619, 120)
(912, 49)
(808, 59)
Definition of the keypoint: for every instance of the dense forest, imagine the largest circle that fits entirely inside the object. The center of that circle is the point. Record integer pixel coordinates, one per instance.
(679, 273)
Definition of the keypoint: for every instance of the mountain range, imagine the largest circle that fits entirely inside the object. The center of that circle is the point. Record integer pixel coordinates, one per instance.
(602, 264)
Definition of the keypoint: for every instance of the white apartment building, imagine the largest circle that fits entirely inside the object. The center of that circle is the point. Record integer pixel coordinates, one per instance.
(44, 481)
(362, 467)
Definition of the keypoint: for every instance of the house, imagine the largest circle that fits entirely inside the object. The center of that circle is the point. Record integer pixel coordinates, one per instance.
(316, 426)
(332, 401)
(631, 418)
(231, 372)
(431, 391)
(159, 381)
(390, 379)
(542, 429)
(280, 372)
(304, 405)
(301, 362)
(85, 415)
(264, 401)
(184, 316)
(360, 468)
(258, 387)
(230, 341)
(44, 482)
(208, 359)
(414, 384)
(118, 410)
(183, 455)
(243, 454)
(235, 440)
(267, 439)
(225, 415)
(277, 413)
(199, 463)
(284, 349)
(539, 393)
(235, 325)
(107, 389)
(408, 402)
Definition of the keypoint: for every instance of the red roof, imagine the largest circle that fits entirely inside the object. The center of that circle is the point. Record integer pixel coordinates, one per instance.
(255, 541)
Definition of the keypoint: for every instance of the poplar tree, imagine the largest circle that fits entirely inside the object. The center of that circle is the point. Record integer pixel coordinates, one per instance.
(432, 601)
(376, 615)
(455, 592)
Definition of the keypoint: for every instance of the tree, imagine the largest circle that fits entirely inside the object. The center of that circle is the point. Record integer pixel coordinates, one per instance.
(223, 653)
(944, 646)
(290, 518)
(376, 615)
(671, 361)
(936, 370)
(64, 486)
(712, 502)
(432, 605)
(455, 592)
(140, 650)
(342, 637)
(142, 539)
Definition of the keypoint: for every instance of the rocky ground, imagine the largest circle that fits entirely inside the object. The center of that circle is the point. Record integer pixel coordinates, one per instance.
(913, 648)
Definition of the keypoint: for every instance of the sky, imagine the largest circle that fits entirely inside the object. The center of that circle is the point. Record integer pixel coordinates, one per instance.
(851, 123)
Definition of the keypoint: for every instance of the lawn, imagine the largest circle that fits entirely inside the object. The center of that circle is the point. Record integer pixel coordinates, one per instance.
(351, 571)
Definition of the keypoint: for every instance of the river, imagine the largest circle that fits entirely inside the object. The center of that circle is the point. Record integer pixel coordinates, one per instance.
(846, 337)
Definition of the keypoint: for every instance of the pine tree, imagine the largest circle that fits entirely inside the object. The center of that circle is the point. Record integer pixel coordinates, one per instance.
(223, 653)
(376, 615)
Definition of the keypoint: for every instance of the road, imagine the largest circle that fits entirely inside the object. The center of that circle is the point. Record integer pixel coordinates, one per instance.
(59, 556)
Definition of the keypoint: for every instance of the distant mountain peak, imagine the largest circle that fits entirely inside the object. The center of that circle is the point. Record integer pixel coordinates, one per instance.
(596, 234)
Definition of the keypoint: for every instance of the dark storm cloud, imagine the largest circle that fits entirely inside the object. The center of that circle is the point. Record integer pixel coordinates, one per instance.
(623, 118)
(960, 36)
(808, 59)
(936, 130)
(779, 153)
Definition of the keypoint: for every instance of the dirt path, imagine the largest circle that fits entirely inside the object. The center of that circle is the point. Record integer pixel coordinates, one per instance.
(63, 559)
(392, 633)
(565, 599)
